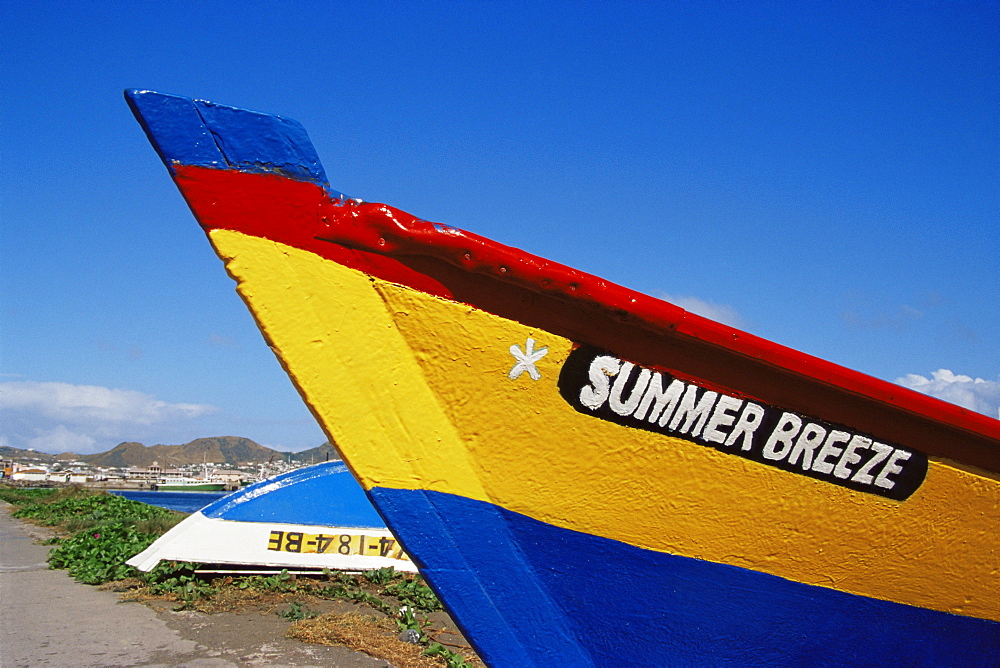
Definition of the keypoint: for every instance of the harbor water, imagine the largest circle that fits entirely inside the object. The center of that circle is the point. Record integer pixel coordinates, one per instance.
(185, 502)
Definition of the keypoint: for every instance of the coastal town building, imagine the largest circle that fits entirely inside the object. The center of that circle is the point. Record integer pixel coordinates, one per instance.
(31, 471)
(30, 475)
(153, 473)
(37, 474)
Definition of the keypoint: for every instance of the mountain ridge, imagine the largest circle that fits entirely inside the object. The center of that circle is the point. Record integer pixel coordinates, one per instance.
(214, 450)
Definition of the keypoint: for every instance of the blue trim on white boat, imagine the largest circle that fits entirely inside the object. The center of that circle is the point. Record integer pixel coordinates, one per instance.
(322, 495)
(528, 593)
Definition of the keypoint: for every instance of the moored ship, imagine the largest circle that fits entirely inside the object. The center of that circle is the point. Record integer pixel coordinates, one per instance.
(189, 485)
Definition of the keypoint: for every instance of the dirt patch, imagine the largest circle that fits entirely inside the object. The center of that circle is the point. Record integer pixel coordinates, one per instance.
(253, 638)
(370, 634)
(252, 628)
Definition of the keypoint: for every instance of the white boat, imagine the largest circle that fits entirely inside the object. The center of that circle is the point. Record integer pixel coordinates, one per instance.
(310, 518)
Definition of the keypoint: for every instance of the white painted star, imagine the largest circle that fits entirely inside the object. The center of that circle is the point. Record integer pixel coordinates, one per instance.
(526, 360)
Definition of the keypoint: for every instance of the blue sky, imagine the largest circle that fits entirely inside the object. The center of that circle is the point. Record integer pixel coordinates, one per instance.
(823, 174)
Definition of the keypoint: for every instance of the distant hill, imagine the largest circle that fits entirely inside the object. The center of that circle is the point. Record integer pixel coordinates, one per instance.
(323, 453)
(215, 450)
(25, 455)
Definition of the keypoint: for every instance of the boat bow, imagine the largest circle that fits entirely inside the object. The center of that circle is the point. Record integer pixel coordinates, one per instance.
(555, 451)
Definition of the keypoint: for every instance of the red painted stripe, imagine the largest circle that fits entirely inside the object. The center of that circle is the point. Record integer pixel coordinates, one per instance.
(446, 262)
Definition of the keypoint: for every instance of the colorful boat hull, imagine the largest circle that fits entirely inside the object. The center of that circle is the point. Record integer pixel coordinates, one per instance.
(310, 518)
(584, 472)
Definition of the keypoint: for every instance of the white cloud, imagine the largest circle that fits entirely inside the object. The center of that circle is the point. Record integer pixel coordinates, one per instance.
(76, 403)
(977, 394)
(60, 417)
(61, 439)
(723, 313)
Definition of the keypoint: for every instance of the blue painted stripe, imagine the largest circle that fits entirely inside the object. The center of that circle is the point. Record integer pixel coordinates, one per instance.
(205, 134)
(474, 561)
(527, 593)
(323, 495)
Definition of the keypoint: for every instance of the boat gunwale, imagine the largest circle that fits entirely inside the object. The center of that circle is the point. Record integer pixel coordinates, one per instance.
(476, 254)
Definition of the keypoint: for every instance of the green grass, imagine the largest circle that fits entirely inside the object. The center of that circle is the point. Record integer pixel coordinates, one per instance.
(76, 509)
(19, 495)
(105, 529)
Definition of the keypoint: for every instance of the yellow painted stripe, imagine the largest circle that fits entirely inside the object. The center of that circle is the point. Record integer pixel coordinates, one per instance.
(415, 391)
(342, 350)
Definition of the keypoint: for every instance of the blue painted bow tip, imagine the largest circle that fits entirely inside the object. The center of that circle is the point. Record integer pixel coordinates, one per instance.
(194, 132)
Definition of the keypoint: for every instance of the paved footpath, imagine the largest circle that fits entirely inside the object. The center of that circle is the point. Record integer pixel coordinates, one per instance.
(48, 619)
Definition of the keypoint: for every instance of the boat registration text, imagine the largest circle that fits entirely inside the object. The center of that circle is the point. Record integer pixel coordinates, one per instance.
(346, 544)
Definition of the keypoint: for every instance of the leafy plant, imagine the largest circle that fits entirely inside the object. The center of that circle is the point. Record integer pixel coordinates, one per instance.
(171, 576)
(297, 611)
(407, 620)
(415, 593)
(97, 556)
(179, 579)
(381, 576)
(453, 659)
(279, 582)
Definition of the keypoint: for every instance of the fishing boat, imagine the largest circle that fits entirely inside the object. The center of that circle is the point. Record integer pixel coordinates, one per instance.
(585, 474)
(204, 483)
(182, 484)
(310, 518)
